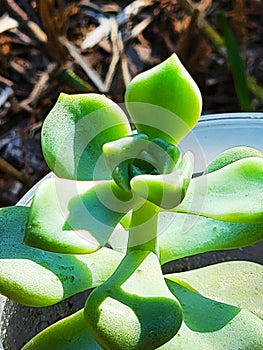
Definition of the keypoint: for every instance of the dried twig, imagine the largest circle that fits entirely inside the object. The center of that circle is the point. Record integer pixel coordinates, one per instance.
(38, 32)
(7, 22)
(105, 28)
(115, 55)
(96, 35)
(24, 21)
(125, 69)
(94, 77)
(12, 171)
(4, 95)
(133, 9)
(16, 10)
(140, 27)
(39, 87)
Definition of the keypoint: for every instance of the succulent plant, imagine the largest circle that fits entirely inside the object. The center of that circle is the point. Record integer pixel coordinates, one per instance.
(122, 203)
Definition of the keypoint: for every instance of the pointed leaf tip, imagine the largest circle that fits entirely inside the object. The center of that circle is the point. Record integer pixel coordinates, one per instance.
(164, 101)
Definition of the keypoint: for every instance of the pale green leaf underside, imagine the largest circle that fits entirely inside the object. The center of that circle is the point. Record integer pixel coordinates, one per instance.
(75, 217)
(239, 283)
(245, 332)
(184, 235)
(232, 193)
(207, 325)
(70, 333)
(38, 278)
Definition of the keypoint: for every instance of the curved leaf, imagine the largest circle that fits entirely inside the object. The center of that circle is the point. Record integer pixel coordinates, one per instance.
(184, 235)
(34, 277)
(74, 132)
(133, 304)
(233, 193)
(165, 190)
(239, 283)
(209, 324)
(70, 333)
(164, 102)
(232, 155)
(75, 217)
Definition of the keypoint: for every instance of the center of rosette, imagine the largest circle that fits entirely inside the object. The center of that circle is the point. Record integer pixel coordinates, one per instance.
(137, 155)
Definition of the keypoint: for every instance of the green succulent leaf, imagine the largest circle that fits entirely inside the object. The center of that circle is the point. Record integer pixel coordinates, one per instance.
(233, 193)
(232, 155)
(48, 215)
(74, 132)
(70, 333)
(76, 217)
(182, 235)
(164, 102)
(165, 190)
(105, 205)
(34, 277)
(209, 324)
(239, 283)
(133, 304)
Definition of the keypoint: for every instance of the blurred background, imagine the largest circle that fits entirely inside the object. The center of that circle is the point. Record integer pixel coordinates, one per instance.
(51, 46)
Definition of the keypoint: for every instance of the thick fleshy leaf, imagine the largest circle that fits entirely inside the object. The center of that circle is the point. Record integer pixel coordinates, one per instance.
(183, 235)
(239, 283)
(164, 102)
(76, 217)
(232, 155)
(74, 132)
(165, 190)
(70, 333)
(34, 277)
(233, 193)
(133, 304)
(209, 324)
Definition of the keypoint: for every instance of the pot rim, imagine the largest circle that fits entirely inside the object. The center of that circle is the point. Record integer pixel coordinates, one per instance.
(231, 116)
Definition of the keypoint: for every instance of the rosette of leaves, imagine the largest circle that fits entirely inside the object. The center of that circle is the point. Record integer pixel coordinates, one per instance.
(124, 202)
